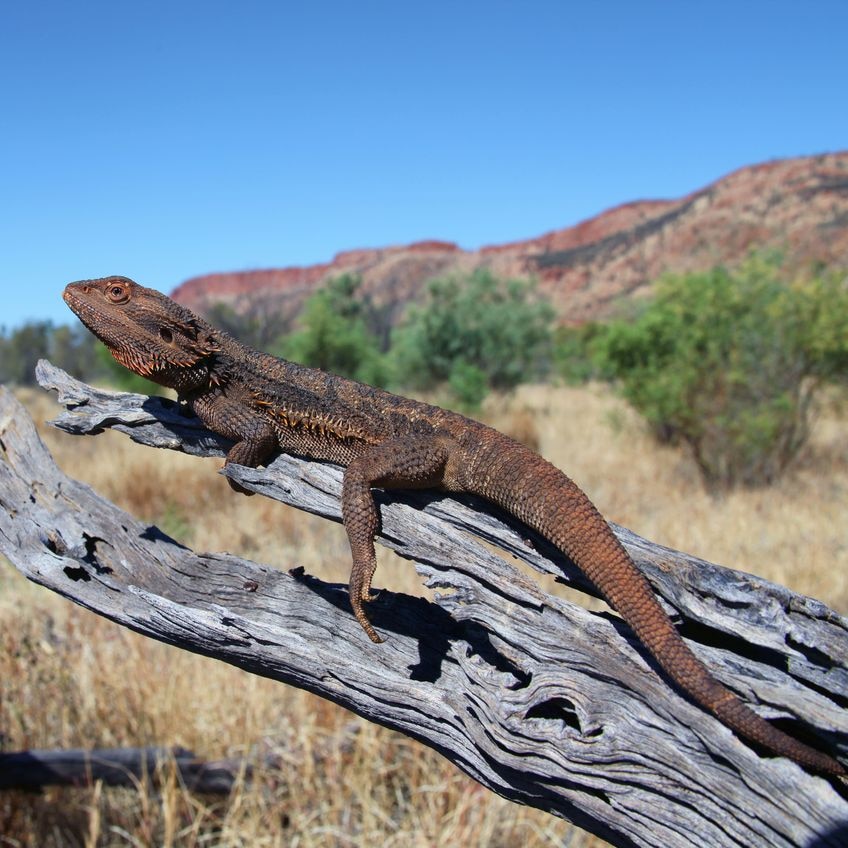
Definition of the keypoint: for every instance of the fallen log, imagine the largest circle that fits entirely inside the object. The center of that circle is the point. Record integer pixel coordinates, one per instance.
(537, 698)
(33, 770)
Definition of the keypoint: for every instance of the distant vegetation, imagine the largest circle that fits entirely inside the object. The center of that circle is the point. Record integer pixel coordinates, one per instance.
(728, 363)
(334, 334)
(475, 333)
(73, 347)
(471, 334)
(731, 363)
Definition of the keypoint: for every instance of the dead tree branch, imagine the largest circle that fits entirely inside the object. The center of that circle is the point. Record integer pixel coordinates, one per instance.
(538, 699)
(32, 770)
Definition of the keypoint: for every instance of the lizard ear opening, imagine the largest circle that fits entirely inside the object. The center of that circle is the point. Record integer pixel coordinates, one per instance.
(166, 335)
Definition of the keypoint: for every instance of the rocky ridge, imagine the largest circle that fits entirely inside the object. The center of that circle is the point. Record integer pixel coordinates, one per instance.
(799, 206)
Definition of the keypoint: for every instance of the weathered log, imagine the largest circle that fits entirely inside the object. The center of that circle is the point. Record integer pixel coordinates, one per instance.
(32, 770)
(538, 699)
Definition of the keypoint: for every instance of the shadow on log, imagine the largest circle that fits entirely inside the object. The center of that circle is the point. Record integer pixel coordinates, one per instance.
(537, 698)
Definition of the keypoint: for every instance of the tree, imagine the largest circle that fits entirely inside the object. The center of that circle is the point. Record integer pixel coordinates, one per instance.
(333, 335)
(73, 347)
(22, 348)
(731, 363)
(474, 327)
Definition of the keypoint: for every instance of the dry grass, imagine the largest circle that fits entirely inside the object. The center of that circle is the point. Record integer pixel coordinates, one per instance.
(792, 533)
(69, 679)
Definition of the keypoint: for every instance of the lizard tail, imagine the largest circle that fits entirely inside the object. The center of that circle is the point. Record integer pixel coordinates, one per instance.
(547, 500)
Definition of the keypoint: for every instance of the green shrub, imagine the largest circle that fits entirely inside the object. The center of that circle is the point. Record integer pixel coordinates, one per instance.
(333, 334)
(575, 355)
(499, 328)
(468, 385)
(730, 364)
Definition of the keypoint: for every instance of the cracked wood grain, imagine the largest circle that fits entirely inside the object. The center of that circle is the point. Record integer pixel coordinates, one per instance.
(535, 697)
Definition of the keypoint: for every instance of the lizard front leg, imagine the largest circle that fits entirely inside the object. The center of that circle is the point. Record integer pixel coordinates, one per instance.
(408, 462)
(251, 451)
(254, 436)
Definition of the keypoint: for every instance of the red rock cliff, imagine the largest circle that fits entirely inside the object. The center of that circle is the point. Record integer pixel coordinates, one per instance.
(797, 205)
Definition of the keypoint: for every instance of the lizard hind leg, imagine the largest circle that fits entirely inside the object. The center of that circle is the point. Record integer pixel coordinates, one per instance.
(407, 462)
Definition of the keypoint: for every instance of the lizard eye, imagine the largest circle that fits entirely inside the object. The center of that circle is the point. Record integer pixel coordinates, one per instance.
(117, 293)
(166, 335)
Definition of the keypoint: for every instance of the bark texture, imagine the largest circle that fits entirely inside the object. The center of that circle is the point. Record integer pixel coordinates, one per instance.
(537, 698)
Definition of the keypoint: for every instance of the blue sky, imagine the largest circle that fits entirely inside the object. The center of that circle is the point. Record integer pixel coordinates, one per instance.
(164, 140)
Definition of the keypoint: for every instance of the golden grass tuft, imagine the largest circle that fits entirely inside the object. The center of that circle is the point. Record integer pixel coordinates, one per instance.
(70, 679)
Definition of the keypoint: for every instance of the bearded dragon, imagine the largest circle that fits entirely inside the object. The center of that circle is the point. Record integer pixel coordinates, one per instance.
(266, 405)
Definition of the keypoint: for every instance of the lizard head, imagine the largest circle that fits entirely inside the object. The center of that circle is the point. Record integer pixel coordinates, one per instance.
(145, 331)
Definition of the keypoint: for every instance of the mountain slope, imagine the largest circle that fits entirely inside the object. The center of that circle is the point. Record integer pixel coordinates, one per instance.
(799, 206)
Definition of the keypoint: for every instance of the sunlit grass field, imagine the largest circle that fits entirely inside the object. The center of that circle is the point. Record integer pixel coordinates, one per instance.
(69, 679)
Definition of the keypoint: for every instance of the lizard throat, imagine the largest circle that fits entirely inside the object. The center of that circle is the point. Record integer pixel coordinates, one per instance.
(136, 362)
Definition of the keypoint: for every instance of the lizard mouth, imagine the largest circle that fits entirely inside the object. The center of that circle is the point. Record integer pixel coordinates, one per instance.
(74, 295)
(84, 310)
(69, 296)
